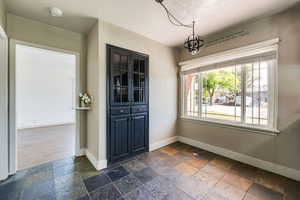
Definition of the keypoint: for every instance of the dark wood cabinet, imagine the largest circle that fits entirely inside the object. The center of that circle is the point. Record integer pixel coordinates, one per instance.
(127, 103)
(139, 132)
(120, 127)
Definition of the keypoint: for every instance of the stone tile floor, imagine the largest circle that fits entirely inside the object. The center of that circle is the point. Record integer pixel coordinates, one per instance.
(175, 172)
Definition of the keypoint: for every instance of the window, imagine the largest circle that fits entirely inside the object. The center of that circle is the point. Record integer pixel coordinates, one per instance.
(240, 92)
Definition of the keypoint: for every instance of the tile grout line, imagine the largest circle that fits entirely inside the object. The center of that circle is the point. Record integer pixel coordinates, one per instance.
(102, 185)
(88, 194)
(118, 189)
(220, 165)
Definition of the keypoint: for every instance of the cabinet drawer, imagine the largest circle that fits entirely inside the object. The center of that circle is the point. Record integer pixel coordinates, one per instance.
(138, 109)
(119, 110)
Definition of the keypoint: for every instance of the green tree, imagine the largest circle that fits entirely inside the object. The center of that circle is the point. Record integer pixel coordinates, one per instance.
(223, 79)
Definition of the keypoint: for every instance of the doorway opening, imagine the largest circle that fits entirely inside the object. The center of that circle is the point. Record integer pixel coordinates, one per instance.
(45, 98)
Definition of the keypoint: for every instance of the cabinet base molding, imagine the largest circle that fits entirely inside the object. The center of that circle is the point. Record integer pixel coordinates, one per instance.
(98, 164)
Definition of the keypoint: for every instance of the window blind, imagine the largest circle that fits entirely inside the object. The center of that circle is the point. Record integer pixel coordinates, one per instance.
(250, 59)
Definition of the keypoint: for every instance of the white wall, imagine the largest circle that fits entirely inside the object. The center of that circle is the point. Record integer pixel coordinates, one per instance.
(162, 86)
(2, 14)
(284, 148)
(27, 30)
(93, 88)
(162, 82)
(45, 87)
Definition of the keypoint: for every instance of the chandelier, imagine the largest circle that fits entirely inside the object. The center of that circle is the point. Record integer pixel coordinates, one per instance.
(194, 43)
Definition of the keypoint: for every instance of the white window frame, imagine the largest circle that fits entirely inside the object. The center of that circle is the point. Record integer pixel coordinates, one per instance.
(4, 163)
(234, 54)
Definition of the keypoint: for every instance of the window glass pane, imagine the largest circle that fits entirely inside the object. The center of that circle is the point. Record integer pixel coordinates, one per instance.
(117, 95)
(136, 66)
(256, 98)
(221, 93)
(124, 60)
(136, 80)
(239, 93)
(142, 80)
(116, 79)
(141, 95)
(192, 95)
(142, 66)
(256, 93)
(116, 75)
(264, 93)
(124, 63)
(124, 78)
(248, 93)
(116, 59)
(136, 95)
(124, 93)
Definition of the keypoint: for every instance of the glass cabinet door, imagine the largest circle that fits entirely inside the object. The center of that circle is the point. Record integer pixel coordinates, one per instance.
(119, 78)
(139, 81)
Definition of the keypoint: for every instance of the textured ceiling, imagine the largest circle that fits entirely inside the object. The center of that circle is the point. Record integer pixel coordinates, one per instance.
(146, 17)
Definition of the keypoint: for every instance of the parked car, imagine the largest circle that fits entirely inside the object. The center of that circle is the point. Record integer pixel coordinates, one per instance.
(220, 100)
(238, 101)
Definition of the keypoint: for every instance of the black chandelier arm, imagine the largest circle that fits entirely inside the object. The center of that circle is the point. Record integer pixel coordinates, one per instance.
(194, 43)
(171, 16)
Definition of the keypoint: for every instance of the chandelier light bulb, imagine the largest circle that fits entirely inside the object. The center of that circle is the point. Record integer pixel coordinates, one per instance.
(55, 12)
(194, 43)
(194, 52)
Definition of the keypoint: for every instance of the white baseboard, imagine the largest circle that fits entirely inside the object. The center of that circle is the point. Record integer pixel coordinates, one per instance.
(81, 152)
(101, 164)
(268, 166)
(45, 125)
(162, 143)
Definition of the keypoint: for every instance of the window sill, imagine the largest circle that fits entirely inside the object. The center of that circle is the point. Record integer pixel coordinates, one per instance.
(266, 131)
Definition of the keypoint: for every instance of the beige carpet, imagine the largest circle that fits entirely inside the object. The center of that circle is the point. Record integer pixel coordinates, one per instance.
(40, 145)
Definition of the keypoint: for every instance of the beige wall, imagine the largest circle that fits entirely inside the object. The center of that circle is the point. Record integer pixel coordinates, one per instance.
(283, 149)
(93, 88)
(2, 14)
(24, 29)
(163, 82)
(31, 31)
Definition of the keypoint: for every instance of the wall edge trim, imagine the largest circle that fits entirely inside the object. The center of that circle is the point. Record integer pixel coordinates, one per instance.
(266, 165)
(98, 164)
(81, 152)
(4, 102)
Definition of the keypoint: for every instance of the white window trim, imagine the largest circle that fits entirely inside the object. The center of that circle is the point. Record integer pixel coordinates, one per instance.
(233, 54)
(250, 50)
(232, 124)
(4, 164)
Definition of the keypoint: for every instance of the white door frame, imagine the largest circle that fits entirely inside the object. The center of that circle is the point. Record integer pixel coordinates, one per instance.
(4, 164)
(12, 99)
